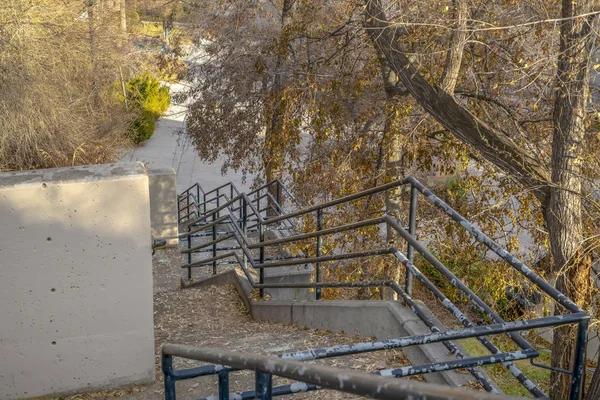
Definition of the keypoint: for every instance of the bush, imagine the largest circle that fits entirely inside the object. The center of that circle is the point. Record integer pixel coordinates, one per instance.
(149, 100)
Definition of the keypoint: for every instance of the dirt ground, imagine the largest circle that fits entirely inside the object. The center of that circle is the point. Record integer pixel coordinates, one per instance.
(216, 317)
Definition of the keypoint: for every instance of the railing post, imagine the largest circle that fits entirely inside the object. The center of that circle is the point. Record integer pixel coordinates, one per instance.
(412, 229)
(167, 368)
(204, 201)
(258, 201)
(214, 247)
(198, 198)
(278, 194)
(319, 252)
(579, 362)
(189, 246)
(223, 385)
(264, 386)
(242, 211)
(261, 232)
(218, 212)
(244, 222)
(187, 198)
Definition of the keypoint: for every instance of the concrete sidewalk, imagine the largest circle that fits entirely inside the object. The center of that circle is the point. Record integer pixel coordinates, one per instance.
(170, 146)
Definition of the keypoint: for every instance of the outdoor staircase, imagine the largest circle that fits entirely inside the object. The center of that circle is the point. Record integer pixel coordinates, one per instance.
(243, 238)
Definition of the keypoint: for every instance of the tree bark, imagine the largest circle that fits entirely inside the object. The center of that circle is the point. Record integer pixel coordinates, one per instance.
(457, 46)
(563, 211)
(391, 142)
(274, 148)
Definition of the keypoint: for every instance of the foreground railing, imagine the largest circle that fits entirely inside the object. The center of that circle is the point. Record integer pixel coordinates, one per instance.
(308, 376)
(227, 213)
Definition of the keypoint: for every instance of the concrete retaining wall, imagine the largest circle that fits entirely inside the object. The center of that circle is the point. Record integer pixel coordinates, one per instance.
(75, 280)
(381, 319)
(163, 204)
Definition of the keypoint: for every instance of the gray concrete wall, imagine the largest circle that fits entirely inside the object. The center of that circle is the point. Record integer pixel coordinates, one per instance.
(75, 280)
(291, 274)
(163, 204)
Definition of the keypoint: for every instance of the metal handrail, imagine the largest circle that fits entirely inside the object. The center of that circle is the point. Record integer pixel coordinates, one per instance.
(476, 233)
(358, 383)
(411, 270)
(365, 347)
(451, 347)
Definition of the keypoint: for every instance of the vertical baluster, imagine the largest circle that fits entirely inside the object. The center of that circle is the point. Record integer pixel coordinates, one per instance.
(319, 252)
(244, 222)
(258, 201)
(412, 229)
(261, 230)
(189, 246)
(187, 200)
(178, 209)
(223, 385)
(579, 362)
(198, 198)
(214, 247)
(242, 205)
(218, 212)
(167, 368)
(264, 386)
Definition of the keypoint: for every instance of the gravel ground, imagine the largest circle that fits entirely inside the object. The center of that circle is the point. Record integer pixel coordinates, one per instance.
(216, 317)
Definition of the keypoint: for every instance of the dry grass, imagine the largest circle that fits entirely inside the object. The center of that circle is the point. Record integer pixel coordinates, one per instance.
(50, 114)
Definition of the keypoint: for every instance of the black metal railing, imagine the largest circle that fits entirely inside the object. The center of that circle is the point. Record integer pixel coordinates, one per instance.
(310, 377)
(226, 212)
(212, 204)
(188, 203)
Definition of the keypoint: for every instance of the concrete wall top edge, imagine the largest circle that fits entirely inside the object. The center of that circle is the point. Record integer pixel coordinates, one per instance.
(160, 170)
(85, 173)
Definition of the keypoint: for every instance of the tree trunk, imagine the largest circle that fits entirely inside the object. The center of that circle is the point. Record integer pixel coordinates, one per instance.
(457, 46)
(274, 150)
(493, 145)
(392, 148)
(395, 92)
(562, 199)
(563, 209)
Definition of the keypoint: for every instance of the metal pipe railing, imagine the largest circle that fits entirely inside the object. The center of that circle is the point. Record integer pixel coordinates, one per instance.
(451, 347)
(361, 384)
(239, 231)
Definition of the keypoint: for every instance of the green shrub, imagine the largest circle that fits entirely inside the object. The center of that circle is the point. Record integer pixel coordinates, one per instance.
(149, 100)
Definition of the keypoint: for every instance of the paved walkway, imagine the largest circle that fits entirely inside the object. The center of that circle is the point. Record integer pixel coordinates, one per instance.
(171, 147)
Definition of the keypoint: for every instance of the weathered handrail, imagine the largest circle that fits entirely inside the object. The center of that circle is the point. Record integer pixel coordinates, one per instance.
(362, 384)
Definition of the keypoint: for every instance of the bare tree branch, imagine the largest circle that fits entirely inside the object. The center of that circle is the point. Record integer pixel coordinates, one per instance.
(494, 146)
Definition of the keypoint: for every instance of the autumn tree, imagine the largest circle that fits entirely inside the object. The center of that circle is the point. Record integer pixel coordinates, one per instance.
(366, 96)
(558, 188)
